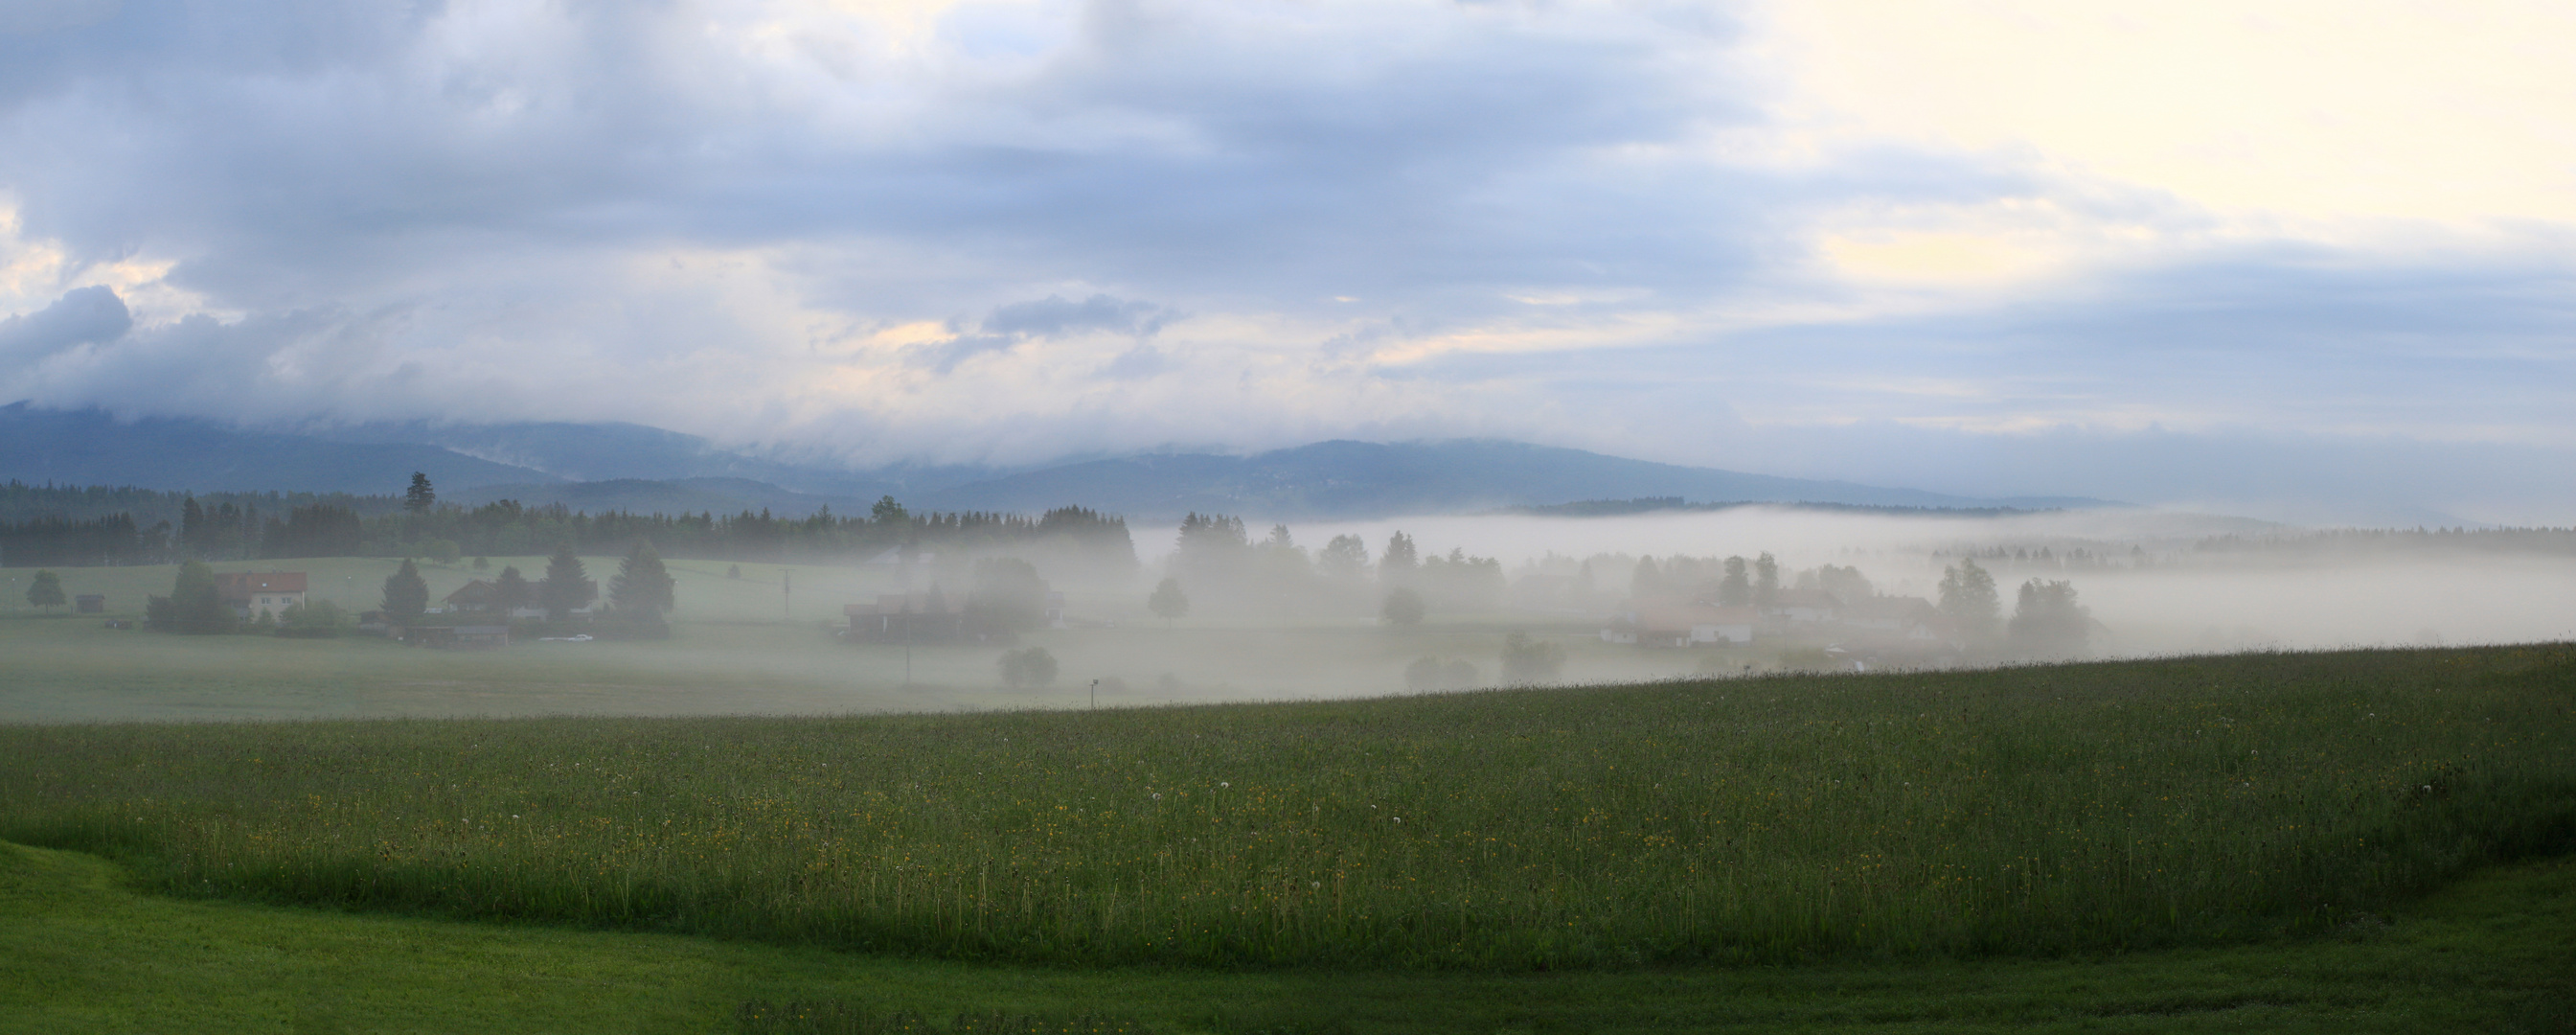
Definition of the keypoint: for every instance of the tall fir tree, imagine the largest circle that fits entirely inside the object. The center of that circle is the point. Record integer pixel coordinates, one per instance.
(642, 584)
(406, 594)
(421, 496)
(566, 587)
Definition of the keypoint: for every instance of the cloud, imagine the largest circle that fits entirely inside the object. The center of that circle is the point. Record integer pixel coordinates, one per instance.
(83, 316)
(1050, 317)
(1053, 315)
(1681, 231)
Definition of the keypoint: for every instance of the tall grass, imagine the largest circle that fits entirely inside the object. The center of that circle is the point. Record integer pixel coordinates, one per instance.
(2030, 810)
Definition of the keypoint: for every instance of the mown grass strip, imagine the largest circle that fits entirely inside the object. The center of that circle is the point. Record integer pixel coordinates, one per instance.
(2103, 807)
(79, 952)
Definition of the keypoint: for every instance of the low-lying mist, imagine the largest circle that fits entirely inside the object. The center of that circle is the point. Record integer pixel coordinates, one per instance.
(1233, 611)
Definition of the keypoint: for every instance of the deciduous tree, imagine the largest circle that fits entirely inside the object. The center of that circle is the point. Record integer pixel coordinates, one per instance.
(1969, 600)
(46, 591)
(1168, 602)
(1403, 608)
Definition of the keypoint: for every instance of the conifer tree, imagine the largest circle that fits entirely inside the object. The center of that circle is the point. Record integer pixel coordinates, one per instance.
(642, 584)
(566, 586)
(406, 594)
(1397, 563)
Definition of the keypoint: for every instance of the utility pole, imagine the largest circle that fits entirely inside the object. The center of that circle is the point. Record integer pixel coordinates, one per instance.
(786, 592)
(1095, 695)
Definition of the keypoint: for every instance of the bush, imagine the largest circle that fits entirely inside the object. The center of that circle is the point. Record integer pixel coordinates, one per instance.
(1028, 666)
(1403, 609)
(1531, 662)
(312, 620)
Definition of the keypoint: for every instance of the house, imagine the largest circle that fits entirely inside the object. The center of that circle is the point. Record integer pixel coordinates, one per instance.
(89, 603)
(925, 617)
(1900, 615)
(1805, 605)
(252, 594)
(476, 597)
(1675, 623)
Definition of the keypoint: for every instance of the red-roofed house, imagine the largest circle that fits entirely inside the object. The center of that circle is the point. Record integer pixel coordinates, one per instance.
(252, 594)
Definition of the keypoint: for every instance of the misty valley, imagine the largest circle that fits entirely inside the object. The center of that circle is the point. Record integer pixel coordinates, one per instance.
(941, 611)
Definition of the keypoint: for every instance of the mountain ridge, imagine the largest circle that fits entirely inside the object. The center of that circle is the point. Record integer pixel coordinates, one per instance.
(640, 468)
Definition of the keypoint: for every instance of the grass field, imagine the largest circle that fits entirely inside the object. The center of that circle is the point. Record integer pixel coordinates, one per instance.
(82, 952)
(2036, 811)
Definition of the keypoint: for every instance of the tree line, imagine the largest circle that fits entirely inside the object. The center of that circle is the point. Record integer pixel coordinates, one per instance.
(253, 527)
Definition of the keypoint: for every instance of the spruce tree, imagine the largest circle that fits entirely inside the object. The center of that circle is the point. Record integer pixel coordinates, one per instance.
(641, 592)
(566, 587)
(1396, 564)
(420, 497)
(406, 595)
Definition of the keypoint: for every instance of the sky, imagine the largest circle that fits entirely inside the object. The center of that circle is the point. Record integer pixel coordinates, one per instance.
(2305, 260)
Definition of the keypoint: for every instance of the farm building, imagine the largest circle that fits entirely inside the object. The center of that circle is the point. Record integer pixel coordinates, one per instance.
(1805, 605)
(1670, 623)
(474, 597)
(252, 594)
(89, 603)
(925, 617)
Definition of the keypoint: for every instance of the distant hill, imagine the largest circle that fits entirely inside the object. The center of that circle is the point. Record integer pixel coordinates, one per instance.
(684, 496)
(1344, 479)
(624, 452)
(90, 447)
(631, 467)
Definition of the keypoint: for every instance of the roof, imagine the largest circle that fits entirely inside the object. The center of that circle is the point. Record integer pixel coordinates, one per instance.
(933, 602)
(478, 591)
(1905, 609)
(1805, 598)
(241, 584)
